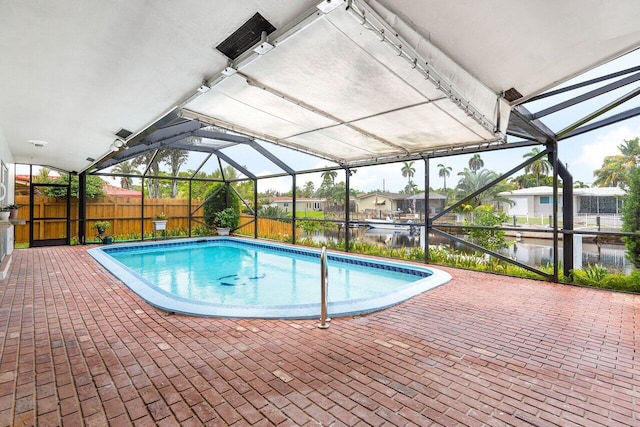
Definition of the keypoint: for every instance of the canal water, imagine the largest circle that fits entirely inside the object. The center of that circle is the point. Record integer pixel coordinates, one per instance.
(530, 251)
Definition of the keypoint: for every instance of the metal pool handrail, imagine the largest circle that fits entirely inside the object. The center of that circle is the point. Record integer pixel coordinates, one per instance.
(324, 285)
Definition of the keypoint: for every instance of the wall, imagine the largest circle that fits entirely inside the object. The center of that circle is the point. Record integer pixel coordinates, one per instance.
(7, 157)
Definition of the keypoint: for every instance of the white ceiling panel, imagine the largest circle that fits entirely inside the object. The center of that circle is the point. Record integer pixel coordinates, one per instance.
(409, 129)
(331, 73)
(343, 73)
(528, 45)
(234, 101)
(343, 144)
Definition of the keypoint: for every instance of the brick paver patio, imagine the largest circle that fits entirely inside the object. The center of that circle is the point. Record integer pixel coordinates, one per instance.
(77, 347)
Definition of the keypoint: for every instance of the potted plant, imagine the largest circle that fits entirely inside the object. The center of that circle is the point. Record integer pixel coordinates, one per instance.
(101, 227)
(160, 222)
(13, 210)
(225, 220)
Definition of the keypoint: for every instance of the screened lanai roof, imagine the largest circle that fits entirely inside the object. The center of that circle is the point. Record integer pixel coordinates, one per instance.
(350, 81)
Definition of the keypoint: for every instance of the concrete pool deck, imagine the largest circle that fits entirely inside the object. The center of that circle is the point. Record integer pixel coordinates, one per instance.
(78, 347)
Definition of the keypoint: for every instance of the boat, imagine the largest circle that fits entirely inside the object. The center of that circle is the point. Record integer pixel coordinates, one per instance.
(387, 224)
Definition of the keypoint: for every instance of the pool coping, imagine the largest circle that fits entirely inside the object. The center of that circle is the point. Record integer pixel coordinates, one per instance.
(170, 303)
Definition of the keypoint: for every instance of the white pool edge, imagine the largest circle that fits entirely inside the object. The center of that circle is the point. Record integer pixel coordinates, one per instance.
(167, 302)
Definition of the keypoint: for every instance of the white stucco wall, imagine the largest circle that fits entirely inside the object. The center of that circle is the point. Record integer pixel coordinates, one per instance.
(7, 158)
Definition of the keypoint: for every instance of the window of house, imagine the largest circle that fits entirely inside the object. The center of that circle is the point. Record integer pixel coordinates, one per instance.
(546, 200)
(316, 205)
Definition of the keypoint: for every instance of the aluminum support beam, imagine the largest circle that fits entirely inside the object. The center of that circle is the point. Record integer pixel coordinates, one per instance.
(427, 220)
(610, 106)
(586, 96)
(293, 214)
(82, 208)
(634, 112)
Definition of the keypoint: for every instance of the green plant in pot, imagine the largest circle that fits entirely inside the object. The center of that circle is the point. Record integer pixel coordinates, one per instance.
(13, 209)
(160, 221)
(225, 220)
(101, 227)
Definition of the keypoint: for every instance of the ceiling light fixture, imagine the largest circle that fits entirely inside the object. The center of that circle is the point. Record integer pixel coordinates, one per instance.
(117, 145)
(38, 143)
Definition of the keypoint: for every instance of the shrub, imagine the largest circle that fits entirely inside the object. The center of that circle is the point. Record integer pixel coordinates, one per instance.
(493, 240)
(631, 217)
(216, 201)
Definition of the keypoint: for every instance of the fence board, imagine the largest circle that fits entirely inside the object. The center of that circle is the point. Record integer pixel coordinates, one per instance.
(124, 213)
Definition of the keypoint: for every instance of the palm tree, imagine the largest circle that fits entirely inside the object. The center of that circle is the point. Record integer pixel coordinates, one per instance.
(615, 169)
(410, 188)
(329, 176)
(125, 168)
(472, 181)
(612, 173)
(631, 152)
(408, 170)
(308, 189)
(579, 184)
(539, 167)
(43, 176)
(444, 172)
(476, 163)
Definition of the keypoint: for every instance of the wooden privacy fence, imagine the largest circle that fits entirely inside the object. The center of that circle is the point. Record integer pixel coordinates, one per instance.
(125, 215)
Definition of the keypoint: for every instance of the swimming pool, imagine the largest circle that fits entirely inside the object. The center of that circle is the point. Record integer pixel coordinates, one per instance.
(235, 277)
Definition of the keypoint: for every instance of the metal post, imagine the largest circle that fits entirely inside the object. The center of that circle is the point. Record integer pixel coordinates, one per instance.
(427, 221)
(255, 208)
(567, 220)
(347, 173)
(293, 214)
(324, 286)
(554, 153)
(190, 215)
(68, 224)
(82, 208)
(142, 209)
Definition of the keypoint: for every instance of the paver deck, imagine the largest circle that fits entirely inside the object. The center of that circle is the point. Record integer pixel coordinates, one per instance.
(78, 347)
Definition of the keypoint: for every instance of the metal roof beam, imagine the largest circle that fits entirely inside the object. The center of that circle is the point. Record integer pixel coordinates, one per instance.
(270, 156)
(222, 136)
(634, 112)
(610, 106)
(583, 84)
(586, 96)
(521, 121)
(233, 163)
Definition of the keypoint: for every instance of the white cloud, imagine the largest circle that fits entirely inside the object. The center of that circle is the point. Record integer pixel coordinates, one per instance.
(604, 145)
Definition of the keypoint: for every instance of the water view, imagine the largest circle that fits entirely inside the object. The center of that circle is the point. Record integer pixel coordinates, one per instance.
(530, 251)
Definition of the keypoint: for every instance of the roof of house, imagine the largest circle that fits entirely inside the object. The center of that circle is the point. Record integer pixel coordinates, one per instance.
(112, 190)
(432, 196)
(277, 199)
(385, 194)
(548, 191)
(401, 196)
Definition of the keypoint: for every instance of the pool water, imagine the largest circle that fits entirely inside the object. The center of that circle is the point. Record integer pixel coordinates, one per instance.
(240, 276)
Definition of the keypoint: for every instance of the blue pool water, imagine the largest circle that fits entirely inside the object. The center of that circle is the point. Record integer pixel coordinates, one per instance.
(246, 278)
